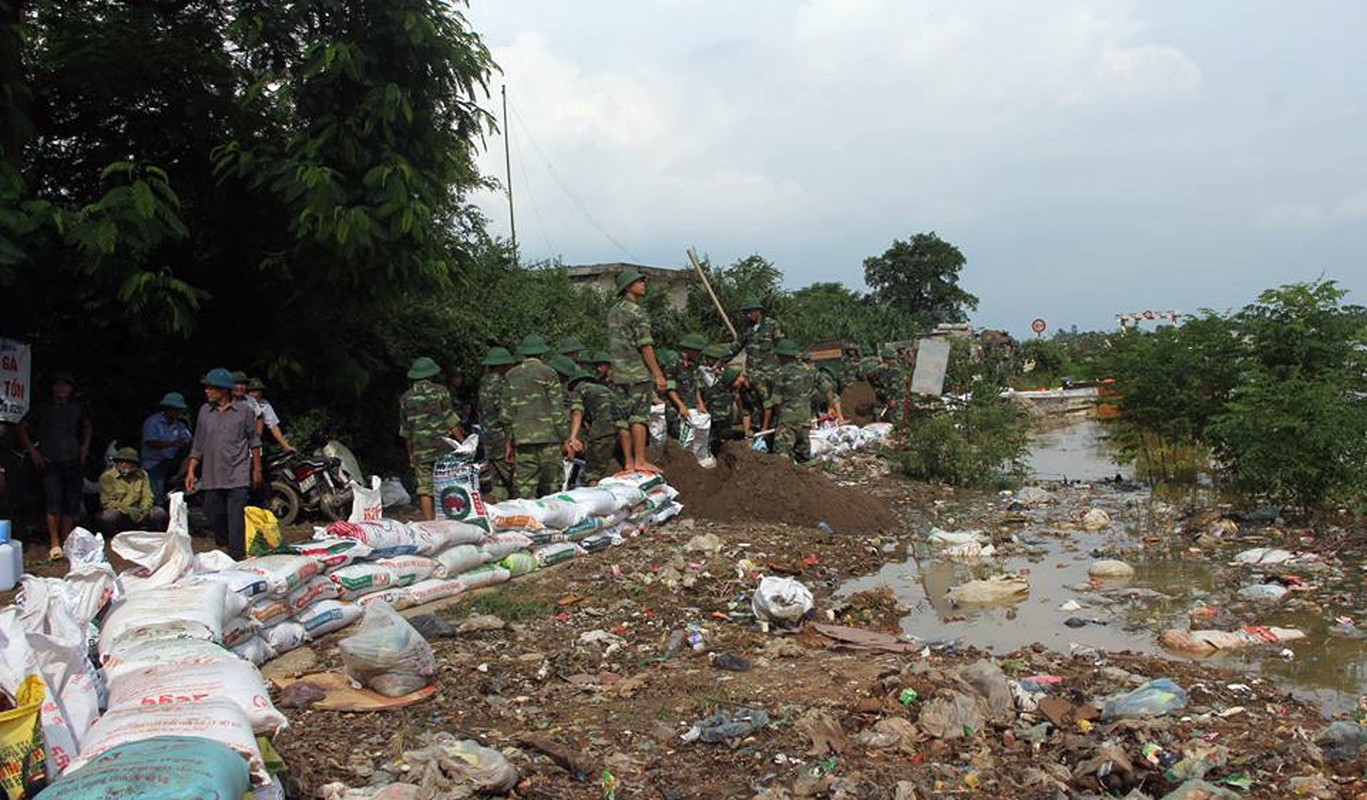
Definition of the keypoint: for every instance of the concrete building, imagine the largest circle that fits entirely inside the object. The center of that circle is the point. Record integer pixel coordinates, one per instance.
(673, 283)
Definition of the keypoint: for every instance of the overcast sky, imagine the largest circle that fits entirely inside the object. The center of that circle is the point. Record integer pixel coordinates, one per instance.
(1088, 157)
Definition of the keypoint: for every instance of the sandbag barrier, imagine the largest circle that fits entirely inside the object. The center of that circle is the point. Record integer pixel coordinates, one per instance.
(175, 654)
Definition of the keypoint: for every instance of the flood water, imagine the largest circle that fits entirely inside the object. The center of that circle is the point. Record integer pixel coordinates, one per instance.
(1329, 666)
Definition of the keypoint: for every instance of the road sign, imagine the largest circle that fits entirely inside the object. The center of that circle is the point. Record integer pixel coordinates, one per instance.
(1038, 326)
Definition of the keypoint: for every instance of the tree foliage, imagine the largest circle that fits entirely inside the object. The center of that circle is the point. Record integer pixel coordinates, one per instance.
(920, 278)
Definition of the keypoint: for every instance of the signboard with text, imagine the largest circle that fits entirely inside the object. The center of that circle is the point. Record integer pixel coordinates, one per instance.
(16, 388)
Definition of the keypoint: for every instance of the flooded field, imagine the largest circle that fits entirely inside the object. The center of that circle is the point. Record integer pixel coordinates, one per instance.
(1180, 581)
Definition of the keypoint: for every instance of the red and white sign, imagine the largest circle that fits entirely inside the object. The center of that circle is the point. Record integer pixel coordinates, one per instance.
(16, 388)
(1039, 326)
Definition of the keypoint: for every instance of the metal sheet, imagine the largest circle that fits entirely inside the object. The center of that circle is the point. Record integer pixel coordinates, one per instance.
(932, 359)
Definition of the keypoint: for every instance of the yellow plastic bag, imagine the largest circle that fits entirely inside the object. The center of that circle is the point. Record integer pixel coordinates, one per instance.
(263, 531)
(23, 761)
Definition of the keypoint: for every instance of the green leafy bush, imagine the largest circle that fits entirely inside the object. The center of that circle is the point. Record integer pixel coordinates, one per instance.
(982, 444)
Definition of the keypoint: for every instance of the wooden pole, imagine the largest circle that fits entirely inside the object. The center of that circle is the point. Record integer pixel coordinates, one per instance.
(702, 273)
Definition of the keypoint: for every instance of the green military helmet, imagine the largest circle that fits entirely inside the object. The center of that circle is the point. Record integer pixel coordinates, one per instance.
(580, 375)
(729, 376)
(887, 351)
(256, 385)
(627, 277)
(423, 367)
(751, 303)
(174, 400)
(571, 345)
(532, 345)
(692, 341)
(218, 378)
(715, 351)
(125, 454)
(498, 357)
(787, 348)
(563, 365)
(597, 357)
(667, 358)
(239, 376)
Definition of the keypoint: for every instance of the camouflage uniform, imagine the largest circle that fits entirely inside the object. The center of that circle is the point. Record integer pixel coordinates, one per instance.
(533, 412)
(683, 380)
(793, 388)
(758, 342)
(628, 332)
(425, 415)
(602, 422)
(720, 400)
(491, 388)
(826, 389)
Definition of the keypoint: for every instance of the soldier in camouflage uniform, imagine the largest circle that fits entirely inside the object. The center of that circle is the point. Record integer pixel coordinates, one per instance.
(849, 367)
(681, 383)
(758, 341)
(534, 413)
(573, 349)
(792, 398)
(495, 443)
(826, 397)
(634, 367)
(718, 390)
(425, 416)
(600, 420)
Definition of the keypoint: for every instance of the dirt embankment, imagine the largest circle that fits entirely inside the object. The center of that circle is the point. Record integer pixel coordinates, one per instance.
(746, 485)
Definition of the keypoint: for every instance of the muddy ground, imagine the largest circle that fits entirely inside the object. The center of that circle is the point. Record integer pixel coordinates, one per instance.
(581, 658)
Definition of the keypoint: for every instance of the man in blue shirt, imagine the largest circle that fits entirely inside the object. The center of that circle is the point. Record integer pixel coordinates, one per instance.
(164, 439)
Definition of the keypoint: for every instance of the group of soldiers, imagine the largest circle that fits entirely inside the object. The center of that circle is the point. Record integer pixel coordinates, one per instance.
(539, 406)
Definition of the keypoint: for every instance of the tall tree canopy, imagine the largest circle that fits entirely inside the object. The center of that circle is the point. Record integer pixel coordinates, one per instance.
(920, 277)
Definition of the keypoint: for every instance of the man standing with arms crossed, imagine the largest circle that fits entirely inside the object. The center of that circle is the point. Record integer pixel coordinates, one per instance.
(228, 450)
(634, 367)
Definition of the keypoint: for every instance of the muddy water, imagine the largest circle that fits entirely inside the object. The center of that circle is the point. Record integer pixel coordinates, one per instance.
(1330, 665)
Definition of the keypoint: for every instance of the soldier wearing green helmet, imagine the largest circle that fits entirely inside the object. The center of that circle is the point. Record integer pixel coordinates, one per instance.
(681, 382)
(634, 368)
(601, 416)
(533, 410)
(495, 435)
(759, 340)
(126, 501)
(571, 347)
(791, 403)
(425, 416)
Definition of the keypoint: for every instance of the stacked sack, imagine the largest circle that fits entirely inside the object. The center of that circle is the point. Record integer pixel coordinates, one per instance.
(831, 442)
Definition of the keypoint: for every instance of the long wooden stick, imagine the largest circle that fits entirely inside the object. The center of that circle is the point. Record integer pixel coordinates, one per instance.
(693, 257)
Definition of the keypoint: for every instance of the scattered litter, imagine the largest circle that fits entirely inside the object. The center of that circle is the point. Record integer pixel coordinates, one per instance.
(1153, 699)
(991, 591)
(724, 725)
(1110, 568)
(1095, 520)
(781, 600)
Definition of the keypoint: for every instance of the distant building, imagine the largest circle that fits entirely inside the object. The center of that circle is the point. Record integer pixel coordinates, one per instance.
(673, 283)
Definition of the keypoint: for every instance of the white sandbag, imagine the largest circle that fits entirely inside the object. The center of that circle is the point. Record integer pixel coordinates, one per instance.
(455, 560)
(366, 503)
(255, 650)
(327, 616)
(1110, 568)
(666, 512)
(331, 553)
(266, 610)
(695, 435)
(546, 513)
(399, 598)
(455, 484)
(239, 629)
(161, 557)
(1095, 519)
(487, 575)
(500, 545)
(434, 589)
(387, 654)
(436, 535)
(285, 636)
(1265, 556)
(212, 561)
(781, 600)
(950, 538)
(231, 681)
(197, 609)
(319, 587)
(408, 570)
(247, 584)
(599, 502)
(393, 494)
(628, 495)
(218, 721)
(361, 579)
(283, 573)
(657, 425)
(556, 553)
(991, 591)
(60, 651)
(385, 537)
(161, 653)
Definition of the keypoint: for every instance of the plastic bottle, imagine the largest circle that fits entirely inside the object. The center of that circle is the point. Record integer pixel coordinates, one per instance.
(11, 558)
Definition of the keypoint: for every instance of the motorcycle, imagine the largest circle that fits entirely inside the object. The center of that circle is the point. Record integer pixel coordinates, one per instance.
(320, 481)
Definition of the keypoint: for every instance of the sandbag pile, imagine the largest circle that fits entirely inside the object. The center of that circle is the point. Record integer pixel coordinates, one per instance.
(834, 442)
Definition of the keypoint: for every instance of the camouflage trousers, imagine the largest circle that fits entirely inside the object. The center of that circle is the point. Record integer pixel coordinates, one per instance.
(500, 471)
(794, 440)
(539, 471)
(600, 458)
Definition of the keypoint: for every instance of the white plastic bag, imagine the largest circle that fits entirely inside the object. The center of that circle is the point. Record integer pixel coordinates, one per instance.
(387, 654)
(233, 681)
(285, 636)
(162, 557)
(781, 600)
(695, 437)
(366, 504)
(657, 426)
(393, 494)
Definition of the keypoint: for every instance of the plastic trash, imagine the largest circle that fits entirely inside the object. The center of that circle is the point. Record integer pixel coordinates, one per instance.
(1265, 556)
(1034, 496)
(1264, 592)
(1110, 568)
(1341, 741)
(954, 716)
(393, 493)
(1153, 699)
(1200, 790)
(724, 725)
(1205, 642)
(451, 767)
(781, 600)
(387, 654)
(730, 662)
(990, 591)
(988, 680)
(1095, 520)
(949, 538)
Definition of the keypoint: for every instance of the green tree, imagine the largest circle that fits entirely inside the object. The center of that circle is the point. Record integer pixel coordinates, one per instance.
(920, 277)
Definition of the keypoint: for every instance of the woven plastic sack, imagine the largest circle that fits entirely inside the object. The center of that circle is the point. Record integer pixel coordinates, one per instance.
(436, 535)
(202, 769)
(458, 559)
(232, 681)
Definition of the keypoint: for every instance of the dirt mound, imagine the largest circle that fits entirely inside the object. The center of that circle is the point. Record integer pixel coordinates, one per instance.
(746, 485)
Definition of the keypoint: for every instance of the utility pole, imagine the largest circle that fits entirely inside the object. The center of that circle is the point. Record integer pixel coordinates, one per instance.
(508, 168)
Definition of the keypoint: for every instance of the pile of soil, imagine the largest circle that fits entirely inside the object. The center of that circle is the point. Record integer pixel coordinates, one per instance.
(746, 485)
